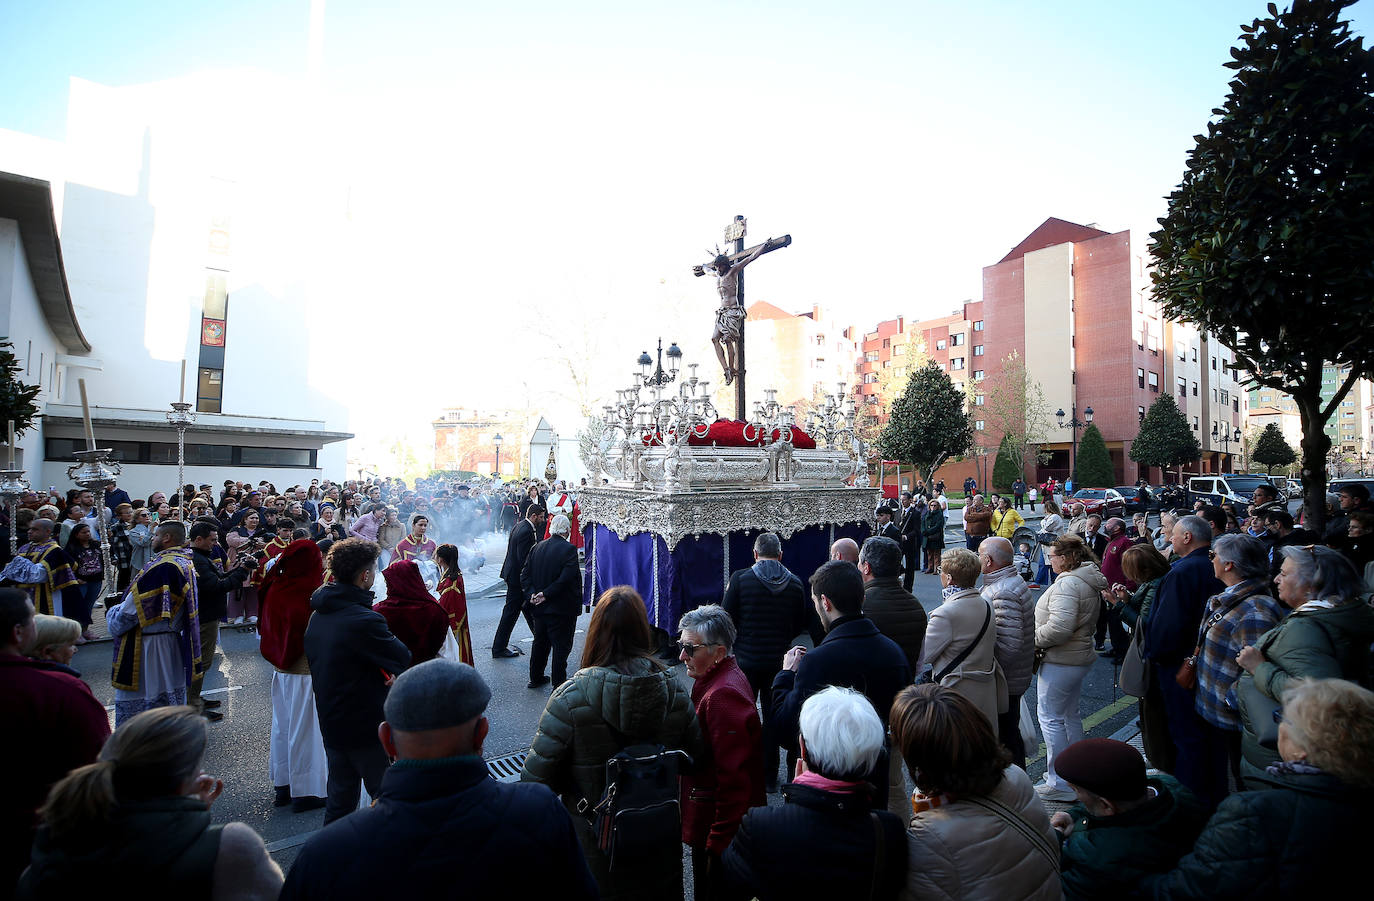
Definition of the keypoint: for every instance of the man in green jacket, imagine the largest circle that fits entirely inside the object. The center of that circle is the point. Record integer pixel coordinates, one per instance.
(1125, 826)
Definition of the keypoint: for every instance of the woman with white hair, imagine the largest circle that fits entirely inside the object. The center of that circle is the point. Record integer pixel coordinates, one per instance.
(1302, 829)
(728, 780)
(825, 838)
(1326, 636)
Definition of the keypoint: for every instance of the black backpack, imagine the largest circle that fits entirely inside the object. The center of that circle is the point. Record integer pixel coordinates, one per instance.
(639, 814)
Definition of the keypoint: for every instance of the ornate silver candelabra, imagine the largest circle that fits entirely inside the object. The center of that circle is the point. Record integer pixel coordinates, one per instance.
(181, 417)
(94, 472)
(12, 486)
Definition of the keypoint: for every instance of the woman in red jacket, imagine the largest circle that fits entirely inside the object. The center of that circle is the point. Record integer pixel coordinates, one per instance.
(729, 779)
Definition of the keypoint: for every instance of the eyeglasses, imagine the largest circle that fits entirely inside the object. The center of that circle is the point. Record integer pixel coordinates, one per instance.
(684, 647)
(1278, 715)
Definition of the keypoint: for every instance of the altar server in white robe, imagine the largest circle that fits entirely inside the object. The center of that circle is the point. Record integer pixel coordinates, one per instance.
(296, 759)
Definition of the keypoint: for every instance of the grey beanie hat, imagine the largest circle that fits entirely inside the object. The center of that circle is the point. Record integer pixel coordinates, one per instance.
(437, 694)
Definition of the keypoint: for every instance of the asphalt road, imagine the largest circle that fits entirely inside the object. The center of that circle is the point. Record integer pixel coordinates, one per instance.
(241, 678)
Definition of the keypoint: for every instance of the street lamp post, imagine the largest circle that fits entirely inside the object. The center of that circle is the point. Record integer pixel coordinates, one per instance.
(659, 378)
(497, 441)
(1226, 438)
(1074, 424)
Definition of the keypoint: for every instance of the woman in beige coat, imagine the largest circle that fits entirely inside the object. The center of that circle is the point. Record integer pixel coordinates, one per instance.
(1065, 617)
(963, 626)
(978, 830)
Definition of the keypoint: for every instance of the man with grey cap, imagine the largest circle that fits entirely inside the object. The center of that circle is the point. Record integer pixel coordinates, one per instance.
(441, 825)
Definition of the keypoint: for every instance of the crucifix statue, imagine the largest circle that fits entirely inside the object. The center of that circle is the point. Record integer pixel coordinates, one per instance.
(728, 335)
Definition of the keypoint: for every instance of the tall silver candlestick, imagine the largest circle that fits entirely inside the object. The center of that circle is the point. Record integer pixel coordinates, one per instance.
(12, 486)
(181, 417)
(94, 472)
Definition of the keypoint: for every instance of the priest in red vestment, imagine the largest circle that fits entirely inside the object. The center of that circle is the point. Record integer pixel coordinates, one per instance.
(565, 503)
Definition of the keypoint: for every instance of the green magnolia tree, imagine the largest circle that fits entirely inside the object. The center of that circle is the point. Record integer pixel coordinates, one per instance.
(1269, 239)
(1004, 469)
(1165, 438)
(1092, 467)
(17, 400)
(1272, 449)
(928, 424)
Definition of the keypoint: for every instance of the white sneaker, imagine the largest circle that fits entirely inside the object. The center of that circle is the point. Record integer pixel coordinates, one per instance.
(1063, 795)
(238, 621)
(253, 620)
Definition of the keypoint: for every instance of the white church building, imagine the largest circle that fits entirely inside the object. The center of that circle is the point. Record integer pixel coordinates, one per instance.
(158, 233)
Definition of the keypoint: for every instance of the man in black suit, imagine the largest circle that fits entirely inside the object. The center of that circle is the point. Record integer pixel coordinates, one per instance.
(853, 654)
(910, 540)
(518, 546)
(552, 582)
(886, 527)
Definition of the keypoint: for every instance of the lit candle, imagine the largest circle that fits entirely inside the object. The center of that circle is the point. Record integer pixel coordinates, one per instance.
(183, 381)
(86, 415)
(11, 444)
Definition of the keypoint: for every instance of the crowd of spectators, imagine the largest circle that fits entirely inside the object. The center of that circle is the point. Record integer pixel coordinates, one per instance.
(1255, 720)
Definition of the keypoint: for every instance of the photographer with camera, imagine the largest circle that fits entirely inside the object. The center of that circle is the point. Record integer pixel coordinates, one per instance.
(212, 591)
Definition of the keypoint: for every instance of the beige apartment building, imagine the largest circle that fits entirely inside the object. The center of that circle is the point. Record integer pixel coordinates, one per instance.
(800, 355)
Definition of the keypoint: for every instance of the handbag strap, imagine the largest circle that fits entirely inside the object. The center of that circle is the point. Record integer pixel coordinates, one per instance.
(963, 655)
(879, 853)
(1038, 841)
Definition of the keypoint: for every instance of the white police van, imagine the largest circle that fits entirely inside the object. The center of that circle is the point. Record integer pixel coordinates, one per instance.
(1228, 488)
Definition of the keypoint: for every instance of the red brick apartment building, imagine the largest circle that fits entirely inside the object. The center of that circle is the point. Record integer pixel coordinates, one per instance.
(1074, 302)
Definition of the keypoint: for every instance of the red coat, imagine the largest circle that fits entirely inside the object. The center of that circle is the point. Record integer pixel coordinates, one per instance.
(729, 779)
(285, 603)
(411, 612)
(54, 725)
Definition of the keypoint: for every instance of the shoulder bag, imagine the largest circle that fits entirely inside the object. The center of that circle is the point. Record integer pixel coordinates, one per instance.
(1134, 678)
(638, 815)
(963, 655)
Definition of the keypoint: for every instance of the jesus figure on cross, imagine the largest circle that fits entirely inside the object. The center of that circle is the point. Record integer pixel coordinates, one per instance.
(729, 329)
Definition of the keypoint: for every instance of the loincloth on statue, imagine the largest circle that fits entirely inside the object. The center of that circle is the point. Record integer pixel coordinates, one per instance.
(730, 322)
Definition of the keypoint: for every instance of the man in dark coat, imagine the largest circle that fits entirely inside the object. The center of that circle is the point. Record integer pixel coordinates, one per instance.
(212, 590)
(768, 606)
(910, 540)
(440, 821)
(352, 656)
(893, 609)
(552, 582)
(1125, 825)
(1170, 637)
(853, 654)
(518, 546)
(886, 527)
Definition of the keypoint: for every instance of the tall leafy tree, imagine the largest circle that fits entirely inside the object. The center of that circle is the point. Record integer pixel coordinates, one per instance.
(1165, 439)
(17, 400)
(1004, 469)
(1269, 239)
(1092, 467)
(928, 424)
(1272, 449)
